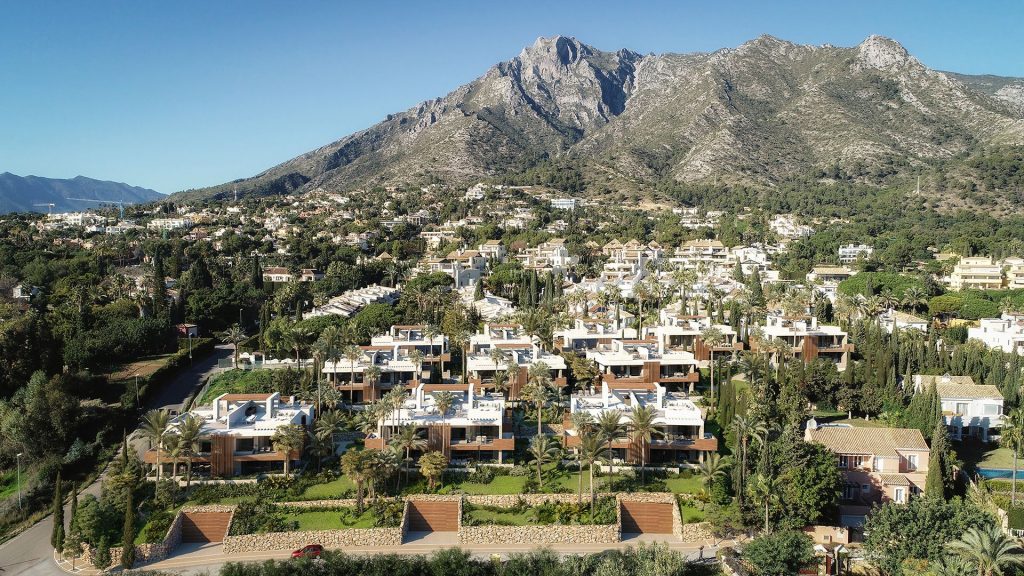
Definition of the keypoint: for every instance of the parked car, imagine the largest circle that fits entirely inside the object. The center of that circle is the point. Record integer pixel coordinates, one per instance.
(308, 551)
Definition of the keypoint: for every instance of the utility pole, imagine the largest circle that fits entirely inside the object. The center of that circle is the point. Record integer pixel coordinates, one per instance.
(19, 478)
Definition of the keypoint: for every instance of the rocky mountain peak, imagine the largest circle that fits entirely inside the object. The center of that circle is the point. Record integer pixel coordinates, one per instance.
(881, 53)
(561, 50)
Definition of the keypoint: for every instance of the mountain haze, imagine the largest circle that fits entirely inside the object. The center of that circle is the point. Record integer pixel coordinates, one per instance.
(33, 193)
(759, 113)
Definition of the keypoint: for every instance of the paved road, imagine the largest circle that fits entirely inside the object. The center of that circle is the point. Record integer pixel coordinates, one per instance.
(30, 553)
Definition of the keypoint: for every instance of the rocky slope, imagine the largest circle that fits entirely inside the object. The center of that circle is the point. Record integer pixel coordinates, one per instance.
(758, 113)
(34, 193)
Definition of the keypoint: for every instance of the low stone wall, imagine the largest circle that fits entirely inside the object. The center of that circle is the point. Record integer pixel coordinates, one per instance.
(327, 538)
(146, 552)
(697, 532)
(539, 535)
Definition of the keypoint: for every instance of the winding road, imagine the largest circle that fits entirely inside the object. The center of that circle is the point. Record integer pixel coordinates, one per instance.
(30, 553)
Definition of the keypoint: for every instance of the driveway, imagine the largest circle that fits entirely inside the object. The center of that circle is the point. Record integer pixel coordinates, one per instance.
(30, 553)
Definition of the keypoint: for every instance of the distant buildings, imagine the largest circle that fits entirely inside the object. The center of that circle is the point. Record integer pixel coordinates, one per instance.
(1005, 333)
(563, 203)
(849, 253)
(892, 319)
(977, 272)
(161, 224)
(348, 303)
(808, 340)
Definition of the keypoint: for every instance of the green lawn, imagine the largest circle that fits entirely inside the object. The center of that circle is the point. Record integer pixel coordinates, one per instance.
(691, 514)
(860, 423)
(330, 490)
(501, 517)
(331, 519)
(680, 485)
(982, 455)
(500, 485)
(9, 483)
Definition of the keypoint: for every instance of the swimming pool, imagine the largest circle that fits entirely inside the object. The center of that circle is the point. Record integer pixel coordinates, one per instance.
(1000, 473)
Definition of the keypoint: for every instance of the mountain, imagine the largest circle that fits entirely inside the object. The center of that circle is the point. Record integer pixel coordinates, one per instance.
(760, 113)
(34, 193)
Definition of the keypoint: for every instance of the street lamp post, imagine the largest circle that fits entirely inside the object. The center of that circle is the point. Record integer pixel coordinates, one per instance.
(137, 403)
(189, 347)
(18, 457)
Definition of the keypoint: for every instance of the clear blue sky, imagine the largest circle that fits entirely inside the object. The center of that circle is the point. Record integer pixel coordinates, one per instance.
(187, 93)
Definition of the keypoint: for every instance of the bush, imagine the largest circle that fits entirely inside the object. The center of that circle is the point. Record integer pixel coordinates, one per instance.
(519, 471)
(159, 522)
(257, 517)
(102, 559)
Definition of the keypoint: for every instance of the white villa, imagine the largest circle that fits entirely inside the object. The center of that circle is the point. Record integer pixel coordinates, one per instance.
(1005, 333)
(969, 409)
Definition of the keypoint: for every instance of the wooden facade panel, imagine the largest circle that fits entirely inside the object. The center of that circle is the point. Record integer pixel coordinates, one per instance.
(647, 517)
(426, 516)
(204, 526)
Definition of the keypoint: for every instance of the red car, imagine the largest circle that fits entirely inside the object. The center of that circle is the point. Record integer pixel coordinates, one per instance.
(308, 551)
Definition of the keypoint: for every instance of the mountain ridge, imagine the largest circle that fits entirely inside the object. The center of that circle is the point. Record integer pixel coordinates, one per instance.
(756, 113)
(23, 193)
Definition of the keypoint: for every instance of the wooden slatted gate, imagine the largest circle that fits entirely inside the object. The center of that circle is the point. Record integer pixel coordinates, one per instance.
(431, 516)
(646, 517)
(204, 526)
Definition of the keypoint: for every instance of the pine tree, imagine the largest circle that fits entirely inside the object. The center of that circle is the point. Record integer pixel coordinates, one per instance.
(128, 535)
(57, 536)
(935, 482)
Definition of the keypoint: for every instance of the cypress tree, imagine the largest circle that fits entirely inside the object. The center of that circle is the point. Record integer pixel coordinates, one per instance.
(257, 272)
(57, 536)
(159, 288)
(478, 291)
(128, 535)
(935, 482)
(74, 508)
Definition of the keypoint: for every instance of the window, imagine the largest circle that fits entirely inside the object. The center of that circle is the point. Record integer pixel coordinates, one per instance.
(993, 410)
(879, 464)
(961, 408)
(911, 462)
(900, 495)
(849, 491)
(844, 461)
(865, 488)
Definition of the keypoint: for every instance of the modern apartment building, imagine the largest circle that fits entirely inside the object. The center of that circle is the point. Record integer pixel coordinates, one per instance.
(1005, 333)
(978, 272)
(683, 440)
(474, 428)
(236, 434)
(808, 339)
(643, 365)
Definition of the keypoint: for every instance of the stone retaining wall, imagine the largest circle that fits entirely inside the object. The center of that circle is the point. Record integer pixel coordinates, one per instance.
(328, 538)
(145, 552)
(539, 535)
(697, 532)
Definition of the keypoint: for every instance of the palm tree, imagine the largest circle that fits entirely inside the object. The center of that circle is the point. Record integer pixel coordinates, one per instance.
(498, 357)
(190, 429)
(444, 400)
(234, 336)
(538, 390)
(355, 465)
(610, 428)
(431, 332)
(432, 465)
(989, 550)
(298, 339)
(172, 444)
(713, 468)
(914, 298)
(1012, 436)
(544, 450)
(287, 440)
(746, 431)
(328, 424)
(407, 440)
(583, 424)
(371, 377)
(416, 357)
(352, 353)
(888, 300)
(321, 350)
(643, 430)
(592, 449)
(765, 489)
(154, 429)
(712, 337)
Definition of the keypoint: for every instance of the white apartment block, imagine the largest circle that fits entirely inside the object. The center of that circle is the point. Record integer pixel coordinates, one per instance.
(466, 267)
(550, 256)
(968, 409)
(683, 440)
(169, 223)
(1005, 333)
(563, 203)
(493, 249)
(978, 272)
(787, 227)
(694, 254)
(848, 253)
